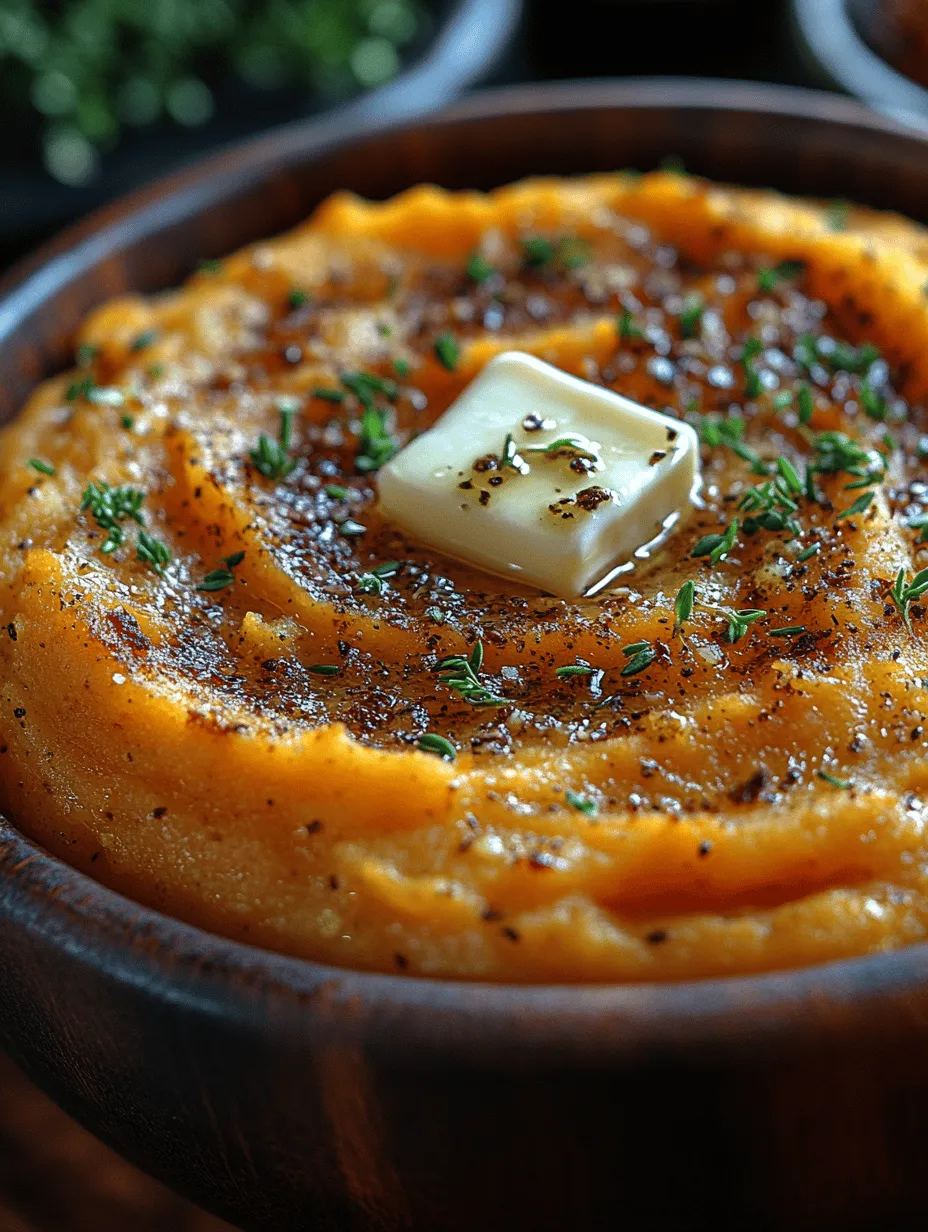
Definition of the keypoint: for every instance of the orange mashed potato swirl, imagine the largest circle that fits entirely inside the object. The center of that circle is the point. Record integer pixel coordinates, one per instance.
(220, 660)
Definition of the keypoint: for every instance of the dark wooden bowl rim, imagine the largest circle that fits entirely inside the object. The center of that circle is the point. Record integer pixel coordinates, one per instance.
(58, 907)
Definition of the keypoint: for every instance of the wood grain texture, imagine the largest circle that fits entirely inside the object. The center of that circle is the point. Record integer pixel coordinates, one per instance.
(55, 1177)
(285, 1095)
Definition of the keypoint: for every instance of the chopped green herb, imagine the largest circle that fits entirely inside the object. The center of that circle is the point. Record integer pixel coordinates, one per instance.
(920, 523)
(375, 444)
(835, 453)
(401, 368)
(86, 354)
(461, 673)
(788, 474)
(838, 215)
(365, 385)
(432, 743)
(691, 317)
(573, 252)
(570, 252)
(152, 552)
(40, 465)
(81, 388)
(752, 382)
(640, 655)
(581, 803)
(336, 491)
(127, 422)
(324, 669)
(787, 631)
(372, 582)
(730, 432)
(447, 350)
(628, 328)
(806, 404)
(575, 669)
(873, 402)
(716, 547)
(807, 553)
(572, 445)
(767, 279)
(297, 298)
(902, 593)
(144, 340)
(683, 606)
(329, 395)
(478, 268)
(862, 503)
(110, 507)
(844, 784)
(271, 458)
(771, 505)
(537, 251)
(740, 621)
(217, 579)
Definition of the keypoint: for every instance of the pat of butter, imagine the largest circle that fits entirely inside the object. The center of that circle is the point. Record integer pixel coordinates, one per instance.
(538, 475)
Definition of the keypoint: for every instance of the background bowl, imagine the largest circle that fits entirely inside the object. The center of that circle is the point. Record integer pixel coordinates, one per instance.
(286, 1095)
(834, 34)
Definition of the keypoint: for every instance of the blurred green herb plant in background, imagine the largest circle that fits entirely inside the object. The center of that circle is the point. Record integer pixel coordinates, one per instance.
(89, 70)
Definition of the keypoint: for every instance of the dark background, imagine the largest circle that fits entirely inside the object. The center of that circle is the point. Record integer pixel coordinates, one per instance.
(53, 1176)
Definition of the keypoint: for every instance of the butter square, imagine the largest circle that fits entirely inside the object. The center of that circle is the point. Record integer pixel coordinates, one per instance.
(542, 477)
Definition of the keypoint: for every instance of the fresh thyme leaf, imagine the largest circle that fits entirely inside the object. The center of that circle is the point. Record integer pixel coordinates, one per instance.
(234, 560)
(581, 803)
(329, 395)
(40, 465)
(401, 368)
(270, 458)
(770, 505)
(628, 328)
(844, 784)
(366, 385)
(683, 606)
(575, 669)
(838, 215)
(564, 444)
(740, 621)
(789, 475)
(640, 655)
(81, 388)
(335, 491)
(375, 444)
(433, 743)
(902, 593)
(921, 524)
(862, 503)
(461, 674)
(324, 669)
(873, 402)
(729, 432)
(807, 553)
(127, 422)
(144, 340)
(478, 268)
(508, 455)
(806, 404)
(691, 317)
(787, 631)
(834, 453)
(537, 251)
(753, 386)
(217, 579)
(110, 507)
(447, 350)
(372, 582)
(717, 546)
(297, 298)
(767, 279)
(152, 552)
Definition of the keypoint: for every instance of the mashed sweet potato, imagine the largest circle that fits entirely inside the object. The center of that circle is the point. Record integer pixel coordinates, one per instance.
(220, 661)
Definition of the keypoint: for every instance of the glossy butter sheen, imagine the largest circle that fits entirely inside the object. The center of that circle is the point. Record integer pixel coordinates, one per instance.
(591, 477)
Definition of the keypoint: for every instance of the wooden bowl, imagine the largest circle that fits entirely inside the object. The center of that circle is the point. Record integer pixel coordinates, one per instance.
(287, 1095)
